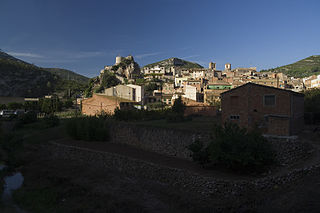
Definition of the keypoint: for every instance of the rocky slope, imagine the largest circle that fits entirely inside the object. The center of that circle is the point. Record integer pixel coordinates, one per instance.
(175, 62)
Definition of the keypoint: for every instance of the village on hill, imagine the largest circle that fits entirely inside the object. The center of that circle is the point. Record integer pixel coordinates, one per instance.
(173, 128)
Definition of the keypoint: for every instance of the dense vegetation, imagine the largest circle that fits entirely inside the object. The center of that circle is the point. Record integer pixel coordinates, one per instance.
(303, 68)
(88, 128)
(27, 80)
(234, 148)
(175, 62)
(68, 75)
(312, 100)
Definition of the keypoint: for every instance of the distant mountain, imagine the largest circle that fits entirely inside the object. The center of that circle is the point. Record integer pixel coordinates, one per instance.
(175, 62)
(19, 78)
(303, 68)
(68, 75)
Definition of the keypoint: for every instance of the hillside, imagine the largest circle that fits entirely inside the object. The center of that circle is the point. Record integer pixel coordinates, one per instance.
(303, 68)
(68, 75)
(19, 78)
(175, 62)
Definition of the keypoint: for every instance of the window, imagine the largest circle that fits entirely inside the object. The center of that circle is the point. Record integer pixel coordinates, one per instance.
(269, 100)
(234, 117)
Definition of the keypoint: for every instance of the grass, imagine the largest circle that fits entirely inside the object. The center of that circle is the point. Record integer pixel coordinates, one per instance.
(41, 199)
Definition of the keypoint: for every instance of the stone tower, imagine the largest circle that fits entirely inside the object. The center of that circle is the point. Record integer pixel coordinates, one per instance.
(227, 66)
(212, 66)
(118, 59)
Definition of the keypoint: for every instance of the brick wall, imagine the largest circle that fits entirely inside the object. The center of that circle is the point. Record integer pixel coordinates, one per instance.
(247, 102)
(98, 103)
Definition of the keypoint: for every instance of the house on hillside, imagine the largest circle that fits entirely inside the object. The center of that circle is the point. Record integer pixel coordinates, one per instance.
(213, 90)
(100, 102)
(130, 92)
(276, 111)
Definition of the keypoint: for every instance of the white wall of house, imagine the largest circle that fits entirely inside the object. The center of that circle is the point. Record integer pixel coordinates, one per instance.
(315, 83)
(139, 92)
(178, 81)
(190, 92)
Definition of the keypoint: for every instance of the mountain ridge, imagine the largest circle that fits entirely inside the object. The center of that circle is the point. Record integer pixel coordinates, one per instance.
(20, 78)
(175, 62)
(299, 69)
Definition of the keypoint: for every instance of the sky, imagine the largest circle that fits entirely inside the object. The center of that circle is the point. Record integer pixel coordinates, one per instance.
(85, 35)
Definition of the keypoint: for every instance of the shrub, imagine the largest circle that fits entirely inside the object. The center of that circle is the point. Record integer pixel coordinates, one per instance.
(177, 111)
(29, 117)
(88, 128)
(51, 121)
(234, 148)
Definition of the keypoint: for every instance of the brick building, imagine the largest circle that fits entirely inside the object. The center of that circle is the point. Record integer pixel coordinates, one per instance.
(275, 111)
(102, 103)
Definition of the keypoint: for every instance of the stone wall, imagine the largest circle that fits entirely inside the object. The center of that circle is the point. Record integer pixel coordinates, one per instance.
(207, 186)
(175, 142)
(164, 141)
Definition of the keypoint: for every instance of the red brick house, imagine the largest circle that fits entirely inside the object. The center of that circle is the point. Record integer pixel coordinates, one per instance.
(102, 103)
(276, 111)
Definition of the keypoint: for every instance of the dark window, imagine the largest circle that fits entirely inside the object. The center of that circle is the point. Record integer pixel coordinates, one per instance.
(234, 117)
(269, 100)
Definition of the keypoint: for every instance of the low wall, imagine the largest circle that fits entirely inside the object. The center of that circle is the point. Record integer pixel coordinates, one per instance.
(175, 142)
(207, 186)
(160, 140)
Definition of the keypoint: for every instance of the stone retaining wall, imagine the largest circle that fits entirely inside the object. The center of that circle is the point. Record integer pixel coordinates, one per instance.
(175, 142)
(160, 140)
(178, 177)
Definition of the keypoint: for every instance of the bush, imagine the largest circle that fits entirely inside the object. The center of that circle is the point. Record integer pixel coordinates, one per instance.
(51, 121)
(234, 148)
(177, 111)
(29, 117)
(88, 128)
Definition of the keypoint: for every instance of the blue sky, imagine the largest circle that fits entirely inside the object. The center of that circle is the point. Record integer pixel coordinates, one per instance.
(85, 35)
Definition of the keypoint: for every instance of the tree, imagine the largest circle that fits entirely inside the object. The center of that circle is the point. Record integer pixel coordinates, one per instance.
(14, 106)
(312, 100)
(234, 148)
(109, 80)
(178, 106)
(150, 87)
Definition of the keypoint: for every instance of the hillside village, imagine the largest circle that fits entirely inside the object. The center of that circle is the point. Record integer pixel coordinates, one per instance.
(201, 89)
(173, 128)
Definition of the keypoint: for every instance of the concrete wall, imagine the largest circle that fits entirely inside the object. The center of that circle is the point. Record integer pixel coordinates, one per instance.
(121, 91)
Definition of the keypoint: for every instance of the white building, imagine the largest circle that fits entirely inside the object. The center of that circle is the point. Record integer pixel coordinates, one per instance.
(190, 92)
(315, 83)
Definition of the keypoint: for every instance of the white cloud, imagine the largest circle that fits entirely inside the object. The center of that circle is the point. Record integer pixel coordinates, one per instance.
(80, 55)
(191, 56)
(28, 55)
(147, 55)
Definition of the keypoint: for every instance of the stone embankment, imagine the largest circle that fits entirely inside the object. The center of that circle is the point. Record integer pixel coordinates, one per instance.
(175, 142)
(179, 177)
